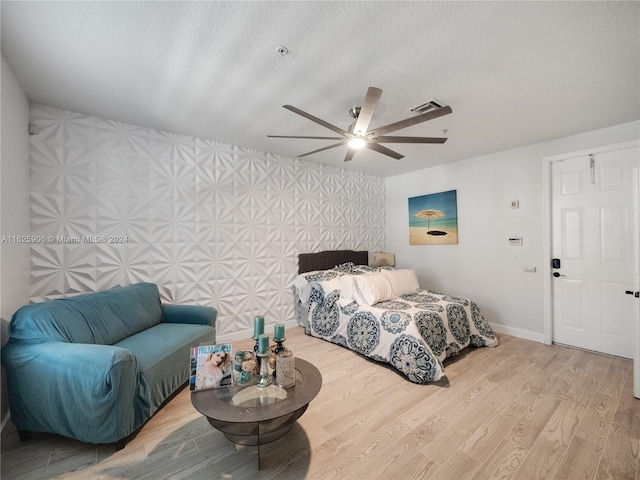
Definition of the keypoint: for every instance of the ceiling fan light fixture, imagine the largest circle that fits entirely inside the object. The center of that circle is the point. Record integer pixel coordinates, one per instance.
(357, 142)
(358, 134)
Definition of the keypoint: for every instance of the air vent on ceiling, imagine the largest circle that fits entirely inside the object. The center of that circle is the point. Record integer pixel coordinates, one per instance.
(432, 104)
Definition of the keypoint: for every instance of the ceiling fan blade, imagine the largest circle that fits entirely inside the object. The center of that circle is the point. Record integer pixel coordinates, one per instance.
(411, 121)
(312, 138)
(320, 150)
(369, 105)
(350, 153)
(316, 120)
(384, 150)
(397, 139)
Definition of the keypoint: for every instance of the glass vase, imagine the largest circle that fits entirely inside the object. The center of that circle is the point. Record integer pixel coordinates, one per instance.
(285, 368)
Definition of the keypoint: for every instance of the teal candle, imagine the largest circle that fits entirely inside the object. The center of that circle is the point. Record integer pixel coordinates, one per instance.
(258, 326)
(263, 343)
(278, 331)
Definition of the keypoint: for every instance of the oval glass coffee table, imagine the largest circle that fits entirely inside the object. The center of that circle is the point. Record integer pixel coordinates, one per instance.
(254, 415)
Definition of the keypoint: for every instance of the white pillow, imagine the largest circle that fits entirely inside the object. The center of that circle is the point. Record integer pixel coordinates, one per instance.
(373, 288)
(302, 284)
(347, 289)
(302, 288)
(403, 281)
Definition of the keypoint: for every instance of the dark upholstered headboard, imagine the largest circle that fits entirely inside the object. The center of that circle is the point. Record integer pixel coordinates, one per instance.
(308, 262)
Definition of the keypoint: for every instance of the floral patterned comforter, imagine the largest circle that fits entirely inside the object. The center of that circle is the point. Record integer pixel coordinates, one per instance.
(414, 333)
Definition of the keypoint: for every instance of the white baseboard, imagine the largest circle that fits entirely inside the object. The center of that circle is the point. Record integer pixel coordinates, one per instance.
(518, 332)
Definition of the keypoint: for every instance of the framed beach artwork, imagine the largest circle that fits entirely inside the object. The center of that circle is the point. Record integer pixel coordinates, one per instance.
(433, 219)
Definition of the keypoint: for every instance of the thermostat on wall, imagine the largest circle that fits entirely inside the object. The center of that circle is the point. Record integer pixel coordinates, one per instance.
(515, 241)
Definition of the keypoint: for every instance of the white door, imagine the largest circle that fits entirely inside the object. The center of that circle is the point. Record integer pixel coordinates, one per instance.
(592, 227)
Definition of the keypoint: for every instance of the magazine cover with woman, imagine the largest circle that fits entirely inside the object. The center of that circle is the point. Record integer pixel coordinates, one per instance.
(213, 366)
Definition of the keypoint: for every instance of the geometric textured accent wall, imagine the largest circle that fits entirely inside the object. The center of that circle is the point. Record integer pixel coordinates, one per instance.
(211, 224)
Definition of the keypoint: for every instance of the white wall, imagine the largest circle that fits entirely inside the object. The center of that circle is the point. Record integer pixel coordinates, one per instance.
(483, 265)
(211, 224)
(14, 202)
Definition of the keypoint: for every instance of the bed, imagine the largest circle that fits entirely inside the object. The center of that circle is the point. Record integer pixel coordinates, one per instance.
(382, 313)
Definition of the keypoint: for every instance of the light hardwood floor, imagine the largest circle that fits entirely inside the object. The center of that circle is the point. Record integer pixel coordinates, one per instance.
(522, 410)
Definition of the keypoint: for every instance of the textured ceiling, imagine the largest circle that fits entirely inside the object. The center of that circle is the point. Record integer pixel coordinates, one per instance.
(514, 73)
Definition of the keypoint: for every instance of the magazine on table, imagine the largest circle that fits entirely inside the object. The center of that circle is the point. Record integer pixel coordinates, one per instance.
(213, 366)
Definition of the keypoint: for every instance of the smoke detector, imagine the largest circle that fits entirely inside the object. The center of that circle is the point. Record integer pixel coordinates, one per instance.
(432, 104)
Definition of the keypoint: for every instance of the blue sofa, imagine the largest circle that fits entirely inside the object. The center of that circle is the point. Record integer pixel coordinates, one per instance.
(95, 367)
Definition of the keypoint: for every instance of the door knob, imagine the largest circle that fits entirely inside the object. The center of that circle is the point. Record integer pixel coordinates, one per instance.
(556, 274)
(630, 292)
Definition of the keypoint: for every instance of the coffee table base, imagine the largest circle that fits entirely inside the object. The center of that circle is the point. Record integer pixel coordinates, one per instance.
(258, 433)
(255, 416)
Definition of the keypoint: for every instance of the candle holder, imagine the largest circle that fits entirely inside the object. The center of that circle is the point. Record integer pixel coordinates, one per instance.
(255, 350)
(279, 346)
(265, 380)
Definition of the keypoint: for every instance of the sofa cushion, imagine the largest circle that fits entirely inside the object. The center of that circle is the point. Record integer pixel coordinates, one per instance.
(163, 354)
(104, 317)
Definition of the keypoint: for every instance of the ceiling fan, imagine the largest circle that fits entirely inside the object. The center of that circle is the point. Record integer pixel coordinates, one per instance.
(358, 135)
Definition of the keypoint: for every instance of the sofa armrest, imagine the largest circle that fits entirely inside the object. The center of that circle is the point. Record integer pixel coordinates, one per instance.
(84, 391)
(197, 314)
